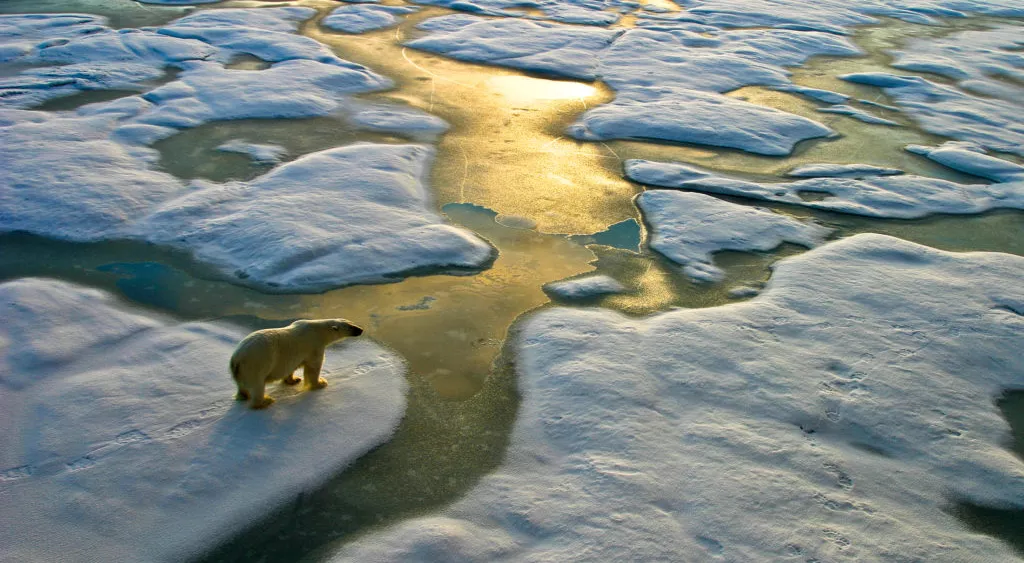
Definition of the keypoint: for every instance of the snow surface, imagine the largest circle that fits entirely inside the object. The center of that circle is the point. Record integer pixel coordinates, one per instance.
(361, 18)
(970, 158)
(353, 214)
(120, 439)
(586, 287)
(831, 418)
(891, 197)
(689, 227)
(260, 153)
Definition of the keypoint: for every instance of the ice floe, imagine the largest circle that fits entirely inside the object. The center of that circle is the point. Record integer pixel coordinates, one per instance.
(689, 116)
(258, 152)
(858, 114)
(689, 227)
(891, 197)
(946, 110)
(360, 18)
(354, 214)
(969, 158)
(587, 287)
(120, 439)
(833, 417)
(841, 171)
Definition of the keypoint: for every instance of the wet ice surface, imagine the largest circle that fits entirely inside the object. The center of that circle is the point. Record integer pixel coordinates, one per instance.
(854, 393)
(819, 443)
(121, 439)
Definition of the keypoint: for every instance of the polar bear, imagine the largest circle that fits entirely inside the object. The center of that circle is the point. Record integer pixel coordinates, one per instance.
(274, 354)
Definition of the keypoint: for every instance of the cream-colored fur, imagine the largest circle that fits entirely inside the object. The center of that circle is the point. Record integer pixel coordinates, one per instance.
(274, 354)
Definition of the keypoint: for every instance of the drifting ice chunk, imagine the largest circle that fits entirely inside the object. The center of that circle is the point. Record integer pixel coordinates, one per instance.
(585, 288)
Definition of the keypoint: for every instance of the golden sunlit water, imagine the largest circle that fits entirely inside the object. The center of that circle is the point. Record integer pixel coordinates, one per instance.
(506, 171)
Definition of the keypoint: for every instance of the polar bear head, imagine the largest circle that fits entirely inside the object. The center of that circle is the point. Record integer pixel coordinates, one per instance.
(331, 330)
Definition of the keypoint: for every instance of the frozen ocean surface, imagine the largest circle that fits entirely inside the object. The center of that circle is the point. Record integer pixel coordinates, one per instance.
(121, 439)
(731, 370)
(829, 418)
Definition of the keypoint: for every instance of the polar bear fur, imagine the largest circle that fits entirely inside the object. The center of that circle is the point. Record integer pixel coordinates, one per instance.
(274, 354)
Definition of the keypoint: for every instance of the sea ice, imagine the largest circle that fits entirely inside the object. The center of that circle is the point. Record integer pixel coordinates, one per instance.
(833, 417)
(980, 61)
(586, 287)
(689, 116)
(689, 227)
(528, 45)
(261, 153)
(360, 18)
(945, 110)
(891, 197)
(347, 215)
(841, 171)
(667, 80)
(354, 214)
(858, 114)
(969, 158)
(266, 33)
(120, 439)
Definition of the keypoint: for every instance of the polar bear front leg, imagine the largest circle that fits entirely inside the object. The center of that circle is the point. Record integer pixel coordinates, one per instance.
(311, 371)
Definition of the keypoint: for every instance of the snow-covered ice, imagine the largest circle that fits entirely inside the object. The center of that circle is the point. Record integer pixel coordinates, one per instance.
(689, 116)
(858, 114)
(261, 153)
(841, 171)
(981, 61)
(354, 214)
(946, 110)
(689, 227)
(586, 287)
(360, 18)
(891, 197)
(833, 417)
(970, 158)
(120, 439)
